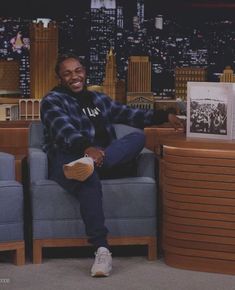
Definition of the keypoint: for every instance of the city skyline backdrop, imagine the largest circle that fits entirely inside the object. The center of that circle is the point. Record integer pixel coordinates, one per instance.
(172, 37)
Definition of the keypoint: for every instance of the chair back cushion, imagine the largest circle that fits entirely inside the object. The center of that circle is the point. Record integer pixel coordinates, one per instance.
(7, 166)
(36, 134)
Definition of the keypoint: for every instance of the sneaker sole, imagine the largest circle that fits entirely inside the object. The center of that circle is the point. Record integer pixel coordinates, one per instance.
(79, 171)
(100, 274)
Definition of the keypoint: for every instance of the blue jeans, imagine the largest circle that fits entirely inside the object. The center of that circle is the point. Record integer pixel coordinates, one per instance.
(120, 153)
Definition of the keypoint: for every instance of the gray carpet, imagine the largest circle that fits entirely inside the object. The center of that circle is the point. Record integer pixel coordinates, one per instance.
(129, 273)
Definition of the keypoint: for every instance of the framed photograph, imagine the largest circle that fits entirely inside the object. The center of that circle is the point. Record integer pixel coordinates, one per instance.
(210, 109)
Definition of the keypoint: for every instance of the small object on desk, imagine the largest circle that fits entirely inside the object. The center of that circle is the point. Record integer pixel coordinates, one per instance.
(182, 117)
(182, 105)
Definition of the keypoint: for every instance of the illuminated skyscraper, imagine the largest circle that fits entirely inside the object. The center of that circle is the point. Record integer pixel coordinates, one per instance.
(43, 55)
(184, 75)
(140, 10)
(24, 75)
(139, 74)
(227, 75)
(120, 48)
(112, 86)
(159, 22)
(9, 75)
(139, 82)
(120, 17)
(102, 37)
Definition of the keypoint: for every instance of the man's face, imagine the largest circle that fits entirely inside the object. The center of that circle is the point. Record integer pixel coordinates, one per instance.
(72, 75)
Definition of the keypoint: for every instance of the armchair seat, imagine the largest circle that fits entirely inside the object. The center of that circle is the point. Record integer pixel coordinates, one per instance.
(129, 204)
(11, 210)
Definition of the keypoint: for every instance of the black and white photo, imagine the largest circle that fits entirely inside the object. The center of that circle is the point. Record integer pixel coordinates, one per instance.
(210, 110)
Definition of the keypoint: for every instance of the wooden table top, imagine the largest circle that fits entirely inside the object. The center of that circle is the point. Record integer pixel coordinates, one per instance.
(180, 140)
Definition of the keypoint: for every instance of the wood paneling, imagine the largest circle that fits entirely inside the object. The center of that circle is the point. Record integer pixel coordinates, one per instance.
(198, 200)
(14, 137)
(14, 140)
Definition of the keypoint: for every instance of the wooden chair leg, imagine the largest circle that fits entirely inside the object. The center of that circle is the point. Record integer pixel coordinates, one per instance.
(19, 257)
(152, 250)
(149, 241)
(37, 252)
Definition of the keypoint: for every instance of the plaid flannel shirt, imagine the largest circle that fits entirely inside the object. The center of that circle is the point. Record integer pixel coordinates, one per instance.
(67, 127)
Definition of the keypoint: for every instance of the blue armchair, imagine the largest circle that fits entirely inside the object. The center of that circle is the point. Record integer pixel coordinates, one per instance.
(129, 203)
(11, 210)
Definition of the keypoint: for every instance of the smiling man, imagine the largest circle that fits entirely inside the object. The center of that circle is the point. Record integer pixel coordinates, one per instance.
(82, 147)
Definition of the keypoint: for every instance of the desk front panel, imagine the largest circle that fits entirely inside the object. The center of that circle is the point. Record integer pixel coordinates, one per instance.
(199, 208)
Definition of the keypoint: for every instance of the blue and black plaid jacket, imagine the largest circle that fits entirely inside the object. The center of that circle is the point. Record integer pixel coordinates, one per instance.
(67, 127)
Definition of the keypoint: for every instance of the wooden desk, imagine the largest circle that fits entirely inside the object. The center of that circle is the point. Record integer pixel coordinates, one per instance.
(155, 133)
(14, 140)
(14, 137)
(198, 187)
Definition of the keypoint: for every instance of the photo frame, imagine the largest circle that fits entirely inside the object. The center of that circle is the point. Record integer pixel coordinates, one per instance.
(210, 110)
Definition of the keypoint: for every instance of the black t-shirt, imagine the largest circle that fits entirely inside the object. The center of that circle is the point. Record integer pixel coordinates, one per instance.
(95, 115)
(85, 100)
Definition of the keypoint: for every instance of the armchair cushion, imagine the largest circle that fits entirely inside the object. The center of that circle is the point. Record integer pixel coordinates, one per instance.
(38, 164)
(7, 166)
(11, 211)
(129, 203)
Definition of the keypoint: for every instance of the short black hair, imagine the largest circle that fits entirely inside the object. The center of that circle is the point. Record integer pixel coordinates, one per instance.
(63, 57)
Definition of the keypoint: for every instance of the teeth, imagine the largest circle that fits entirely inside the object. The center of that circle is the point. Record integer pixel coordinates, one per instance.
(76, 84)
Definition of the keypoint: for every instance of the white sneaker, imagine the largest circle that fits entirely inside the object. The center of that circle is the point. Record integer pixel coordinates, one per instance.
(79, 169)
(103, 263)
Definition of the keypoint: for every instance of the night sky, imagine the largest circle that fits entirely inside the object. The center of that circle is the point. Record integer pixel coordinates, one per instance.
(51, 8)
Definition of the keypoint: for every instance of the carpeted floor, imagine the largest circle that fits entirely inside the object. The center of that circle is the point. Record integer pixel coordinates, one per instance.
(129, 273)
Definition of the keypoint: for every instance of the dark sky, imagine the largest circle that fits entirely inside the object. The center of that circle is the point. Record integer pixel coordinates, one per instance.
(50, 8)
(42, 8)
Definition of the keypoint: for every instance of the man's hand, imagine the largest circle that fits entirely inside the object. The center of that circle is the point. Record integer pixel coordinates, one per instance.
(175, 121)
(96, 154)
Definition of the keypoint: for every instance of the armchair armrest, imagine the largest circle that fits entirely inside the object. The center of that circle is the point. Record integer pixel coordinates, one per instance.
(146, 159)
(38, 164)
(146, 164)
(7, 166)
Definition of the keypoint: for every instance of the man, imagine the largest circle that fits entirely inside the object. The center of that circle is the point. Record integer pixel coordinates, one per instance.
(81, 146)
